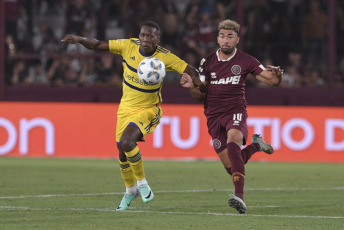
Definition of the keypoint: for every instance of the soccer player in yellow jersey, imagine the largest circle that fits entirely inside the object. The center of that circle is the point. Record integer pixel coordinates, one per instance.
(139, 111)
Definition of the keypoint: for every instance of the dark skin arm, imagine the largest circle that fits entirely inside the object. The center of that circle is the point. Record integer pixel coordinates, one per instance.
(94, 44)
(89, 43)
(196, 87)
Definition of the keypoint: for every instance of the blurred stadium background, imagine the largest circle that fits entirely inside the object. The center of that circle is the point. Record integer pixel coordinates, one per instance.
(60, 101)
(303, 37)
(304, 114)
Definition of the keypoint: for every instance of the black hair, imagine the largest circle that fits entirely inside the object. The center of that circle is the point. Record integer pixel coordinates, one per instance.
(151, 24)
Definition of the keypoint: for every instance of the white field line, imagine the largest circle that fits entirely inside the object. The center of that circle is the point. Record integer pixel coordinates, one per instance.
(6, 208)
(173, 191)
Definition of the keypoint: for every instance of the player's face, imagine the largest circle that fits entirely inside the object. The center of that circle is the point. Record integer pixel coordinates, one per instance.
(149, 39)
(227, 39)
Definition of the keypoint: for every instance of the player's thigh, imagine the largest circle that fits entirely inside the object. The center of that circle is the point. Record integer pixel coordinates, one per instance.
(130, 137)
(122, 123)
(218, 136)
(145, 120)
(236, 126)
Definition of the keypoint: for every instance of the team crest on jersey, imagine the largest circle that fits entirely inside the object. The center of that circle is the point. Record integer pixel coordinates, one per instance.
(236, 69)
(213, 75)
(216, 143)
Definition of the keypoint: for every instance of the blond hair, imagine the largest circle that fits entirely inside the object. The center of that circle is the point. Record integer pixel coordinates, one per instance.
(229, 25)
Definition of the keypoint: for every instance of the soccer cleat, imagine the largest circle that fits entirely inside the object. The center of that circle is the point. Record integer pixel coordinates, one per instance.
(146, 193)
(126, 200)
(264, 146)
(237, 203)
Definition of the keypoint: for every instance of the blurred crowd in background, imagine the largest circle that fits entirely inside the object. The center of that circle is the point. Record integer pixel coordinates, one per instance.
(290, 33)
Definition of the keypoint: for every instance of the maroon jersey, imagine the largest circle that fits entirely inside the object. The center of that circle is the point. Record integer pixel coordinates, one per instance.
(226, 82)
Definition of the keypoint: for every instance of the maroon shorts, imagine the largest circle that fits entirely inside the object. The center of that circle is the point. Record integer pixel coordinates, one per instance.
(218, 127)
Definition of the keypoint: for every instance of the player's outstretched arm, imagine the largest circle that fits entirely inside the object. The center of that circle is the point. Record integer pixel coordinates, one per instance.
(89, 43)
(193, 73)
(271, 76)
(195, 92)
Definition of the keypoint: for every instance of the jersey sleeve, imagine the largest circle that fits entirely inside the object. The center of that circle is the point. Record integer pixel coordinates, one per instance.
(174, 63)
(254, 66)
(117, 46)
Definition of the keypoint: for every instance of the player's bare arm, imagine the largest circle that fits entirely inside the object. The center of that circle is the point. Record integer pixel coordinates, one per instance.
(271, 76)
(195, 92)
(89, 43)
(192, 72)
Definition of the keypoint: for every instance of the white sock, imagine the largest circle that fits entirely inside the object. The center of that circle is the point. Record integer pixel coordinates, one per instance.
(141, 182)
(131, 190)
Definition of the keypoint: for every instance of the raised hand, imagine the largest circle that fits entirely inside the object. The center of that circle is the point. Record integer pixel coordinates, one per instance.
(71, 39)
(275, 70)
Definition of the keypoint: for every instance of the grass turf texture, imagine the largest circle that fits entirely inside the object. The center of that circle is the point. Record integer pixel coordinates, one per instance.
(83, 194)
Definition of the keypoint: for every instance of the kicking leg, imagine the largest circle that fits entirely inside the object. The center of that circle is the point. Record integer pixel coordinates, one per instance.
(130, 137)
(131, 189)
(257, 145)
(234, 141)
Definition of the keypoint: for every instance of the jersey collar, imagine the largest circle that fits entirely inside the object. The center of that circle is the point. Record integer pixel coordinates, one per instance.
(145, 55)
(218, 55)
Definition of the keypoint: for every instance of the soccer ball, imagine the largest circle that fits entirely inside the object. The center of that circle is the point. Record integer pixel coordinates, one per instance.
(151, 71)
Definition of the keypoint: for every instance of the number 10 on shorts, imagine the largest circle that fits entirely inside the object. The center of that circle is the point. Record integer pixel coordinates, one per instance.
(237, 118)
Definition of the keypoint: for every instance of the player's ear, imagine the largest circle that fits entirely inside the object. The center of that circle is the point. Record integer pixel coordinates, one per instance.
(158, 39)
(238, 39)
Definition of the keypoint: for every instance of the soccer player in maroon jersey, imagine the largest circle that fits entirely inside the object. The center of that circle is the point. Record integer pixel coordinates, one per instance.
(224, 73)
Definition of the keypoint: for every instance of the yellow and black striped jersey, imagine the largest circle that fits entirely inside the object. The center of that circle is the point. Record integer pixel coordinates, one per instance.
(135, 92)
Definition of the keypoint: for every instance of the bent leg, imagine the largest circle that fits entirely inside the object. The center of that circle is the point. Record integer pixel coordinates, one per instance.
(247, 152)
(225, 161)
(234, 141)
(126, 171)
(128, 143)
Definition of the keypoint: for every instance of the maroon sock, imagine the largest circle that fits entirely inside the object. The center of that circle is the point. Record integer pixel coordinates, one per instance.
(238, 168)
(247, 152)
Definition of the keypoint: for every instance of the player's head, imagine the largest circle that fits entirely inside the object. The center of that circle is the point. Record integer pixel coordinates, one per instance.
(149, 37)
(228, 36)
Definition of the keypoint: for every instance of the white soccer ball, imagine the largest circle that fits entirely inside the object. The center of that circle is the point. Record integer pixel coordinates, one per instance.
(151, 71)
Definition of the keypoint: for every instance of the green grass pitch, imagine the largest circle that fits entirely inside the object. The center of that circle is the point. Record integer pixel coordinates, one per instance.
(83, 194)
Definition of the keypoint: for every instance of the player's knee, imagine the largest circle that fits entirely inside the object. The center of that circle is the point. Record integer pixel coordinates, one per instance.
(127, 144)
(122, 157)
